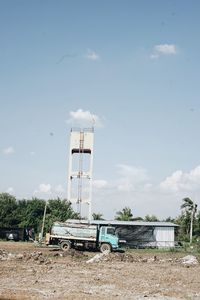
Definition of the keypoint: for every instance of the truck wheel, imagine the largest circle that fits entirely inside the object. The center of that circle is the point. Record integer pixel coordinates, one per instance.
(105, 248)
(65, 245)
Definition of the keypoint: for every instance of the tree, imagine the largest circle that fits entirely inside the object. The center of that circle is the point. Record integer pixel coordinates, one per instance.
(97, 216)
(151, 218)
(31, 213)
(59, 210)
(124, 215)
(169, 219)
(191, 209)
(8, 206)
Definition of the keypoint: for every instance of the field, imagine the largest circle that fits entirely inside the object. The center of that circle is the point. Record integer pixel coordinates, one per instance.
(30, 272)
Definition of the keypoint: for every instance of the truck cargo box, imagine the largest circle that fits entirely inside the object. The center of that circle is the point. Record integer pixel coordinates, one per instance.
(74, 230)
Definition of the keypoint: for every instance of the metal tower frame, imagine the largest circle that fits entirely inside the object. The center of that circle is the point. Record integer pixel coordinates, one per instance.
(81, 143)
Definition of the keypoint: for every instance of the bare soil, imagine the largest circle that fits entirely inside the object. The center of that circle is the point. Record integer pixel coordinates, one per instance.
(29, 272)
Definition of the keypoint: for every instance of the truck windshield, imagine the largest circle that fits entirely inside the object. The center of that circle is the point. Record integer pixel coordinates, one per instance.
(111, 230)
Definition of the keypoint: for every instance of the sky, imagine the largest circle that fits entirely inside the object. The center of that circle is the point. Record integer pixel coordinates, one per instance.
(133, 67)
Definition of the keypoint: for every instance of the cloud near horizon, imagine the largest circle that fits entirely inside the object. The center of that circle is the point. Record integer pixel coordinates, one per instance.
(59, 189)
(132, 188)
(44, 188)
(131, 178)
(84, 118)
(182, 181)
(10, 190)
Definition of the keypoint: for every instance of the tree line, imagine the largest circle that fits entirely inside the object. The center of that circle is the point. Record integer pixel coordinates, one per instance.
(28, 213)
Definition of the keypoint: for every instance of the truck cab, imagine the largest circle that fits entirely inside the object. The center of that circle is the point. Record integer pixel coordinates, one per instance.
(108, 240)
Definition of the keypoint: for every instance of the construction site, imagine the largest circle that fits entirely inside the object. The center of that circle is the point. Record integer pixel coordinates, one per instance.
(88, 259)
(29, 272)
(99, 150)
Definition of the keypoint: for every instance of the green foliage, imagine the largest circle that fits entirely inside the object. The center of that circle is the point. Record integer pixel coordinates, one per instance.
(184, 222)
(124, 215)
(151, 218)
(97, 216)
(29, 213)
(8, 206)
(169, 219)
(59, 210)
(137, 219)
(190, 209)
(189, 205)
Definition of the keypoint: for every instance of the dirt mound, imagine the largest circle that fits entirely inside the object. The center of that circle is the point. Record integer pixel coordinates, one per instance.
(25, 256)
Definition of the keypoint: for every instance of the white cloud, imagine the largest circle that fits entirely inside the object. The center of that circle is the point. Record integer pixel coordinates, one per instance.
(92, 55)
(132, 188)
(172, 182)
(84, 118)
(32, 153)
(9, 150)
(182, 181)
(131, 177)
(59, 189)
(163, 49)
(10, 190)
(125, 185)
(99, 184)
(43, 189)
(137, 173)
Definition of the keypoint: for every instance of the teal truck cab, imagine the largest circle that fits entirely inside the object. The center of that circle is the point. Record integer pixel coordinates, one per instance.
(77, 235)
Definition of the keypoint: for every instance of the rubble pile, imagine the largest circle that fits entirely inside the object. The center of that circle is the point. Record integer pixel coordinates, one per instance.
(98, 257)
(127, 257)
(25, 256)
(130, 258)
(36, 256)
(189, 260)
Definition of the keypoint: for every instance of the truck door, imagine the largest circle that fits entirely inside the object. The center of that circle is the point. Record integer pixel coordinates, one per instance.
(107, 235)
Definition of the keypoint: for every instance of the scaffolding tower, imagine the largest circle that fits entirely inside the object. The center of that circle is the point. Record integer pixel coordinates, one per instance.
(80, 168)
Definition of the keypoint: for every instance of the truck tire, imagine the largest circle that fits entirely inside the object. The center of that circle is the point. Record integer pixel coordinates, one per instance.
(105, 248)
(65, 245)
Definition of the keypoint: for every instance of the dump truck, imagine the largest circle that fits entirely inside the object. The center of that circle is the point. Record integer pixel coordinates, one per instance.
(84, 236)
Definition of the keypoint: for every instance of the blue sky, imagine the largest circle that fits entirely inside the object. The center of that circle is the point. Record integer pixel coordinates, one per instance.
(134, 66)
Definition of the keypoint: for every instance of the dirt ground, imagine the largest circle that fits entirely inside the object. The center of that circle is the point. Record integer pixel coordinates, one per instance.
(30, 272)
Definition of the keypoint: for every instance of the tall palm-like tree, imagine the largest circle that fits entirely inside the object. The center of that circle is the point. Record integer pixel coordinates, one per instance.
(124, 215)
(191, 208)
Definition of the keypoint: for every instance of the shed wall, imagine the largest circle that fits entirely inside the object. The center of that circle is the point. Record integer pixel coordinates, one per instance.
(146, 236)
(164, 236)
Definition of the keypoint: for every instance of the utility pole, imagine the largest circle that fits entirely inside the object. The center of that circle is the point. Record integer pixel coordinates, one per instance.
(43, 221)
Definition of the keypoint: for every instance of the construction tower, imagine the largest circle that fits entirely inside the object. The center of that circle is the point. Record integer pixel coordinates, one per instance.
(80, 168)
